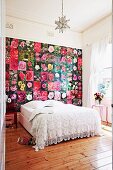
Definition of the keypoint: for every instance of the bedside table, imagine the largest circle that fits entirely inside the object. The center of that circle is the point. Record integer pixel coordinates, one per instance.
(14, 116)
(101, 109)
(11, 110)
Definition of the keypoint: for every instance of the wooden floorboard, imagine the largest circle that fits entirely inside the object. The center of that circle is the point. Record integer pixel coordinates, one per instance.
(79, 154)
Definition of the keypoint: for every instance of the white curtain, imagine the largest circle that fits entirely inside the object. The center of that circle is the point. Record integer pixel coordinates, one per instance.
(98, 63)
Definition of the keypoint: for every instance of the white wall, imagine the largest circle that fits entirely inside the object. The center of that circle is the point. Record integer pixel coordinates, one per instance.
(93, 34)
(30, 30)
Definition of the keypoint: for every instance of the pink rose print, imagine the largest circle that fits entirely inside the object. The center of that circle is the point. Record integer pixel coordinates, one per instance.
(63, 60)
(57, 68)
(79, 77)
(44, 57)
(36, 95)
(22, 66)
(29, 75)
(63, 77)
(37, 47)
(13, 82)
(13, 53)
(63, 68)
(21, 96)
(51, 49)
(13, 59)
(13, 88)
(69, 101)
(29, 84)
(13, 96)
(69, 51)
(44, 67)
(22, 75)
(69, 96)
(79, 63)
(44, 76)
(43, 85)
(69, 61)
(44, 95)
(50, 86)
(63, 51)
(51, 76)
(22, 44)
(57, 96)
(29, 64)
(37, 85)
(7, 60)
(57, 86)
(74, 77)
(14, 43)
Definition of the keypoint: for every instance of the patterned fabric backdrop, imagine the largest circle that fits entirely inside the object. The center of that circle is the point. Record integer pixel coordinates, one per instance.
(38, 71)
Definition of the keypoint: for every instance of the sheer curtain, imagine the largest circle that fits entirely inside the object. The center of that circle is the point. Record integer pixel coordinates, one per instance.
(98, 62)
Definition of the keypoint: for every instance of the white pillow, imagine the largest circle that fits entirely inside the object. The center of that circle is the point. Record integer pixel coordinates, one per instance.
(34, 104)
(51, 103)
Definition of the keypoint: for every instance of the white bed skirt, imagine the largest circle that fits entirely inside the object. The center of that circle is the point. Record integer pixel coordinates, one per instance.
(25, 123)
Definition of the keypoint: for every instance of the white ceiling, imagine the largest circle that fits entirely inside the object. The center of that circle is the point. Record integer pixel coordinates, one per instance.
(82, 13)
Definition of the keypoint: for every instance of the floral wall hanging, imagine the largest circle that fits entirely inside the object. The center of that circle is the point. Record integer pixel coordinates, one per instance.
(38, 71)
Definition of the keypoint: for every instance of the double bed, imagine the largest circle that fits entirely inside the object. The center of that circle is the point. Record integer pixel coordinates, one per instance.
(51, 122)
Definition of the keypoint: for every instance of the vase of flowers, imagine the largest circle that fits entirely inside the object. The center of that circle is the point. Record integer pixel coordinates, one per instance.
(98, 97)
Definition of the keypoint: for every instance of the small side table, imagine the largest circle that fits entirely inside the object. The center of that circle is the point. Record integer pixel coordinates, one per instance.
(101, 109)
(14, 117)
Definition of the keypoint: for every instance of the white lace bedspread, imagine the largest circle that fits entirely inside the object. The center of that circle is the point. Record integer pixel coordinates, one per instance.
(51, 125)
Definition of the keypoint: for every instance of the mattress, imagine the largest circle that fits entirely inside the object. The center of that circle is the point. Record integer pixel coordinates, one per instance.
(26, 111)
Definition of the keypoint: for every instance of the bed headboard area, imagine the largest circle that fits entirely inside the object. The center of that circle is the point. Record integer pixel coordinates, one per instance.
(39, 71)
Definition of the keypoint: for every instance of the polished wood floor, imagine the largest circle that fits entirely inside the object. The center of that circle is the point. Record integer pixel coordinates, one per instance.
(80, 154)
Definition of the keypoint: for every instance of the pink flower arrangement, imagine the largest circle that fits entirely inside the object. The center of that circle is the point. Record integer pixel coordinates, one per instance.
(98, 96)
(22, 65)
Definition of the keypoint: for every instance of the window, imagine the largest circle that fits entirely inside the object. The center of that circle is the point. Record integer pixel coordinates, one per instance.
(105, 82)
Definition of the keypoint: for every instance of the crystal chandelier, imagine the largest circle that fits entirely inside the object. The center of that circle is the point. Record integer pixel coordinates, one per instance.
(62, 22)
